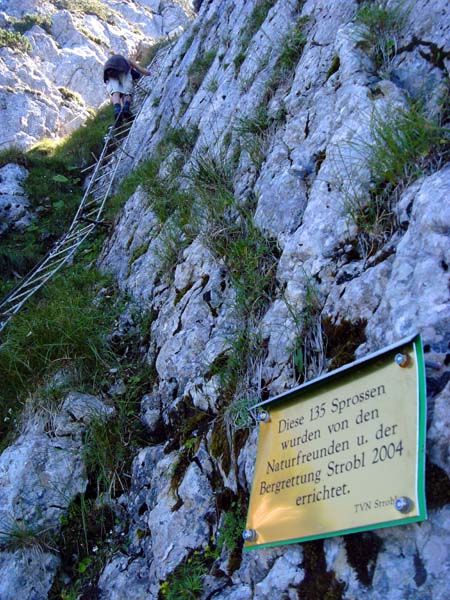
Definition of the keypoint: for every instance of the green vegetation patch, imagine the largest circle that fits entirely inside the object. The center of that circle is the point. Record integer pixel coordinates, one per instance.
(86, 7)
(405, 144)
(62, 328)
(86, 542)
(293, 46)
(227, 229)
(18, 535)
(233, 524)
(186, 582)
(382, 27)
(254, 134)
(14, 40)
(28, 21)
(252, 26)
(197, 71)
(256, 19)
(54, 187)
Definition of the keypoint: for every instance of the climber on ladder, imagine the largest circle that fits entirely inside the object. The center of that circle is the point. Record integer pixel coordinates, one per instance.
(119, 74)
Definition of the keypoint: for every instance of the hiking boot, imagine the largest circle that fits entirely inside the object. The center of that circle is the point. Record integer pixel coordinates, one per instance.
(126, 115)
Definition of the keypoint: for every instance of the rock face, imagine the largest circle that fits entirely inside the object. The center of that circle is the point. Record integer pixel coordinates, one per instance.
(300, 163)
(47, 89)
(281, 100)
(40, 474)
(13, 201)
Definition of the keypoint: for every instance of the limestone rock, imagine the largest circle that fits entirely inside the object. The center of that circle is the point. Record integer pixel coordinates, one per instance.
(48, 91)
(439, 433)
(26, 574)
(40, 474)
(14, 205)
(297, 174)
(125, 577)
(78, 411)
(416, 552)
(399, 313)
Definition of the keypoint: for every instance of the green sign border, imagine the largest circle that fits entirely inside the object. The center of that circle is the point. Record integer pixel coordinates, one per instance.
(416, 340)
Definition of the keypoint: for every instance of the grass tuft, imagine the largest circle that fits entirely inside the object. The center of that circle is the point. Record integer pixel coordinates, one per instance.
(405, 144)
(197, 71)
(382, 25)
(17, 535)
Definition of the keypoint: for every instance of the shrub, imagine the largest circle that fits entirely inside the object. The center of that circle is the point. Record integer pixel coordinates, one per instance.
(14, 40)
(28, 21)
(86, 7)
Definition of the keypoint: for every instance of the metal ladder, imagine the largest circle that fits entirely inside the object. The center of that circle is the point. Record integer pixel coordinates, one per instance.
(89, 212)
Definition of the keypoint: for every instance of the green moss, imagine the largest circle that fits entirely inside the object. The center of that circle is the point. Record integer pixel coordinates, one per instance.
(137, 253)
(334, 67)
(362, 551)
(181, 293)
(178, 471)
(70, 95)
(219, 446)
(342, 339)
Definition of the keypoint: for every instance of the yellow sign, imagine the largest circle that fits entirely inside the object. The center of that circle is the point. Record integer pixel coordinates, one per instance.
(342, 454)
